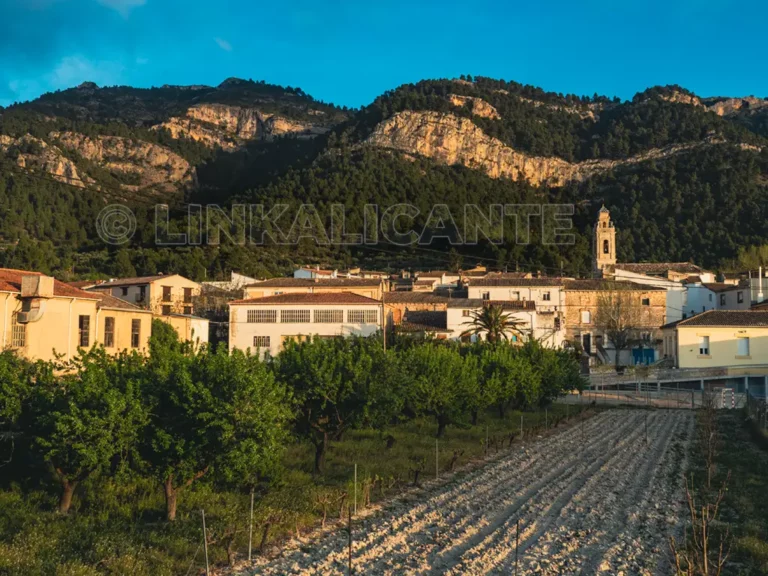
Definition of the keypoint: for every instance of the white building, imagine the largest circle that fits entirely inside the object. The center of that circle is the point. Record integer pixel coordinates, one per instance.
(705, 296)
(306, 272)
(677, 292)
(546, 293)
(265, 324)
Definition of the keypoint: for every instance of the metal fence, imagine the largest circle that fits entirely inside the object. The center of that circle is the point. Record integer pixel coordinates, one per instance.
(652, 395)
(757, 409)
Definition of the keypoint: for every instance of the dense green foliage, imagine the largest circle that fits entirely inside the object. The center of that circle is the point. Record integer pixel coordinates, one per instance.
(701, 204)
(119, 442)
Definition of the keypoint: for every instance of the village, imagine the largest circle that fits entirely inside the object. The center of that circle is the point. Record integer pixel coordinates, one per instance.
(664, 316)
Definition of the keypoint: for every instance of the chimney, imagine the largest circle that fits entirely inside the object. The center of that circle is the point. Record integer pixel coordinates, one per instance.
(36, 286)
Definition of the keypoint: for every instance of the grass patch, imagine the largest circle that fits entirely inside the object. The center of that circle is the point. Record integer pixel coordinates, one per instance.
(742, 451)
(116, 526)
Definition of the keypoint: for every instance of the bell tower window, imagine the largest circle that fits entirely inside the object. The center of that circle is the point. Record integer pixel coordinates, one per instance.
(606, 247)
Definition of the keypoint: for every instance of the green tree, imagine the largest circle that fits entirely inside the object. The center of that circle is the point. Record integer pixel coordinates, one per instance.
(212, 414)
(88, 415)
(505, 371)
(331, 381)
(442, 384)
(16, 379)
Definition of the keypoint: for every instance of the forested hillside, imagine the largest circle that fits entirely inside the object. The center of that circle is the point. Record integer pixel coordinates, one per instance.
(683, 176)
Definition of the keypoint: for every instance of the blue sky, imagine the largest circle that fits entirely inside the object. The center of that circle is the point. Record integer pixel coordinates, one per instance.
(348, 52)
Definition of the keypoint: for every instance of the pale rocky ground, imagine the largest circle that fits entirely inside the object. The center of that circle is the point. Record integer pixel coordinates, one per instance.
(592, 499)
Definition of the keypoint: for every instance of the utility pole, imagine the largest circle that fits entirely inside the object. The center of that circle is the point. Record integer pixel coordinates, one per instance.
(205, 544)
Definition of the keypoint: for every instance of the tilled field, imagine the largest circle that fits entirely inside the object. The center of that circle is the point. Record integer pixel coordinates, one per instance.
(592, 499)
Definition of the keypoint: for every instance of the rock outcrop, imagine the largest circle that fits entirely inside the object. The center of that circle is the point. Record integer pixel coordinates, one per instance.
(720, 106)
(735, 105)
(232, 126)
(479, 106)
(33, 154)
(585, 113)
(150, 165)
(451, 140)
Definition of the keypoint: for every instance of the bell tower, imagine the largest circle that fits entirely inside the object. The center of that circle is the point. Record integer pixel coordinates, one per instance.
(604, 248)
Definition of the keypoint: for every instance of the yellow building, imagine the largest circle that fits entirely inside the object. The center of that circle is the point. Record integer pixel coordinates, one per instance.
(162, 294)
(43, 318)
(368, 287)
(718, 338)
(190, 328)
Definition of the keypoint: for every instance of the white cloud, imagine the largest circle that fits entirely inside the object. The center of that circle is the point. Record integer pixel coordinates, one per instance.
(73, 70)
(124, 7)
(223, 44)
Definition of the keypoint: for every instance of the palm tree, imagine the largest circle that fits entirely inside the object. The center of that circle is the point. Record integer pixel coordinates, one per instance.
(494, 323)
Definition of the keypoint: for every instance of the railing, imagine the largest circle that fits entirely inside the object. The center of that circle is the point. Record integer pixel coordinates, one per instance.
(757, 409)
(651, 395)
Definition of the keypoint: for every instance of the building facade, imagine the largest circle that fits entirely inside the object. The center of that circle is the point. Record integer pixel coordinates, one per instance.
(264, 325)
(44, 318)
(368, 287)
(718, 338)
(644, 307)
(162, 294)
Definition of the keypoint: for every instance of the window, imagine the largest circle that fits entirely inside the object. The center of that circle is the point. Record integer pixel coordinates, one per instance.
(606, 247)
(166, 293)
(710, 297)
(704, 346)
(142, 295)
(646, 302)
(294, 316)
(586, 317)
(188, 310)
(261, 341)
(546, 296)
(557, 323)
(362, 316)
(262, 316)
(515, 295)
(18, 332)
(740, 297)
(166, 309)
(135, 333)
(124, 291)
(329, 316)
(187, 295)
(486, 295)
(722, 299)
(84, 327)
(109, 332)
(466, 313)
(742, 346)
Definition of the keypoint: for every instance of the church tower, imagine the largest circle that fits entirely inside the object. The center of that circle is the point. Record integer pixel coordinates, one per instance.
(604, 248)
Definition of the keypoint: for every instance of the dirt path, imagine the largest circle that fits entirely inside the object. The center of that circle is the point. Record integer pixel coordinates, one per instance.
(593, 499)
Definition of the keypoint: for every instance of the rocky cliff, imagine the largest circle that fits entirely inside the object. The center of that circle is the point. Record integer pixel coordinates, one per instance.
(147, 165)
(451, 140)
(34, 154)
(231, 126)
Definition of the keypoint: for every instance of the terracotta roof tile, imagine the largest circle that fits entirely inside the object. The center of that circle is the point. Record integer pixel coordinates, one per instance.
(309, 282)
(483, 282)
(734, 318)
(10, 281)
(309, 299)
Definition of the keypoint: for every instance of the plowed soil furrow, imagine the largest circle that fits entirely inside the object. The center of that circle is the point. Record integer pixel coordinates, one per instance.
(591, 500)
